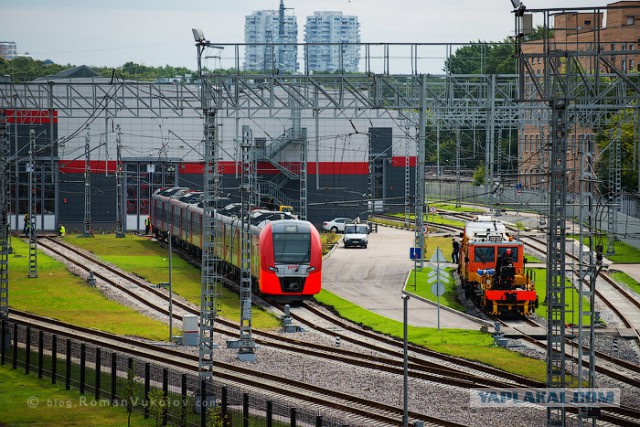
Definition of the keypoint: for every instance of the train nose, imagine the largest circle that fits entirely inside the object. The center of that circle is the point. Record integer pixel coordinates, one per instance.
(292, 285)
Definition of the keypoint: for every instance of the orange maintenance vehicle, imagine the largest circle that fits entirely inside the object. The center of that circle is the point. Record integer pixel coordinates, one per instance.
(492, 270)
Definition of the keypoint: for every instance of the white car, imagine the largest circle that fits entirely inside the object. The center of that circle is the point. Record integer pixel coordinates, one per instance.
(336, 225)
(356, 235)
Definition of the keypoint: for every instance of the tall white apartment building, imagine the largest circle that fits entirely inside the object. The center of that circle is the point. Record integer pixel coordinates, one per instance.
(264, 26)
(8, 50)
(332, 27)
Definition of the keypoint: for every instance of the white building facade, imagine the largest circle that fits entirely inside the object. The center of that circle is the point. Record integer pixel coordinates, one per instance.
(8, 50)
(338, 34)
(263, 26)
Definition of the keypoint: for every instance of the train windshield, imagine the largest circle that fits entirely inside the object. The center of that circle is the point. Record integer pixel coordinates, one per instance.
(484, 254)
(292, 248)
(514, 252)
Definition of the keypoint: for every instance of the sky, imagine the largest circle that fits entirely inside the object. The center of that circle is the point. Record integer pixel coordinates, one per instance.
(158, 32)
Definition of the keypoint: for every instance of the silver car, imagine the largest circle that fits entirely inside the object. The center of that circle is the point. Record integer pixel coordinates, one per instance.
(336, 225)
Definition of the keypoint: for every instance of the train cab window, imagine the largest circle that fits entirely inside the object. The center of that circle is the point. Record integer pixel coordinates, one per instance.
(484, 254)
(514, 252)
(292, 248)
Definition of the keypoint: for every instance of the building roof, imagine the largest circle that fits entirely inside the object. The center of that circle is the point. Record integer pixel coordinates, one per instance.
(80, 72)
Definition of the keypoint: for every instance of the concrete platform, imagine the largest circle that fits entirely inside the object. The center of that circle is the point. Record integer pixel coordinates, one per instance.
(627, 332)
(373, 278)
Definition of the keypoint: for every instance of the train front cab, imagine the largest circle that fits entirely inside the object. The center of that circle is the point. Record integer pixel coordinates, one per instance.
(290, 260)
(479, 278)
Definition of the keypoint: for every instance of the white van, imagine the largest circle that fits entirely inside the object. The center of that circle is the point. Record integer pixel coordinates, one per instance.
(356, 235)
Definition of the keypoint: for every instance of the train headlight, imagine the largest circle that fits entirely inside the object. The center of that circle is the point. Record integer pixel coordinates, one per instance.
(272, 268)
(311, 269)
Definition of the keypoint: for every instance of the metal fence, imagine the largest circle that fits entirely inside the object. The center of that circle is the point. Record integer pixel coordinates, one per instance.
(626, 224)
(121, 380)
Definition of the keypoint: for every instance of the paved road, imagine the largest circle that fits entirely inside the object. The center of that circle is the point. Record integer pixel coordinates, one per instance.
(373, 278)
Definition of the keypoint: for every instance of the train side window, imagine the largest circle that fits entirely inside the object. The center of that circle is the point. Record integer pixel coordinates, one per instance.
(484, 254)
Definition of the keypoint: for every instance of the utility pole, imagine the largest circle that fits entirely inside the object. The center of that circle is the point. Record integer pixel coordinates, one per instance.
(281, 46)
(4, 223)
(86, 224)
(246, 344)
(31, 230)
(212, 233)
(615, 188)
(420, 179)
(120, 173)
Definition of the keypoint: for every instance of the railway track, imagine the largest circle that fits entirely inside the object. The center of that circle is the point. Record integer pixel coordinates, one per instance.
(390, 361)
(368, 412)
(618, 369)
(626, 302)
(419, 367)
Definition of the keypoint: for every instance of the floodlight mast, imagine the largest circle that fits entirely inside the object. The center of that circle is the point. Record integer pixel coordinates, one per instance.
(518, 7)
(210, 268)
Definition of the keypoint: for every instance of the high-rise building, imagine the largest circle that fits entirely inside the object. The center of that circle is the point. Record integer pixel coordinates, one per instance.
(8, 50)
(332, 29)
(271, 26)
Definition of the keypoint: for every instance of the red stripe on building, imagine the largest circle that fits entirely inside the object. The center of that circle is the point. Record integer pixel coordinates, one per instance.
(398, 161)
(31, 117)
(229, 168)
(77, 166)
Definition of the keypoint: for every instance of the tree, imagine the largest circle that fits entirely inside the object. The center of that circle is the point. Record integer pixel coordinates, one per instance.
(131, 390)
(621, 126)
(157, 404)
(482, 58)
(215, 418)
(489, 57)
(480, 175)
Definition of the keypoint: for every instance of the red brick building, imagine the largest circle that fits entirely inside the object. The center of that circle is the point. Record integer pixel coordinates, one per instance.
(603, 41)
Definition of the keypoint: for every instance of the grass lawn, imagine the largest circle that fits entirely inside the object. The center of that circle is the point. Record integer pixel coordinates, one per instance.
(624, 253)
(329, 240)
(149, 260)
(473, 345)
(58, 294)
(434, 218)
(621, 277)
(532, 259)
(28, 401)
(424, 288)
(571, 298)
(452, 207)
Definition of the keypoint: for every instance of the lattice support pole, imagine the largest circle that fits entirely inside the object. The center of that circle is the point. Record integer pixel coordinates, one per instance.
(211, 235)
(31, 229)
(246, 344)
(4, 221)
(588, 271)
(86, 223)
(119, 185)
(556, 273)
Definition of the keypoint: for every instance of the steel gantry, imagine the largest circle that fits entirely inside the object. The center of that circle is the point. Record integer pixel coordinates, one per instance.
(211, 230)
(570, 86)
(120, 206)
(86, 223)
(4, 221)
(31, 227)
(246, 344)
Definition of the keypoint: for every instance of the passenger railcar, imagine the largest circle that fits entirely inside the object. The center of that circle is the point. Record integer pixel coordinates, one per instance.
(286, 262)
(492, 273)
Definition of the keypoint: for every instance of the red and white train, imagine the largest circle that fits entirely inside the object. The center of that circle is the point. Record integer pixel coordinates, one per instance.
(286, 253)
